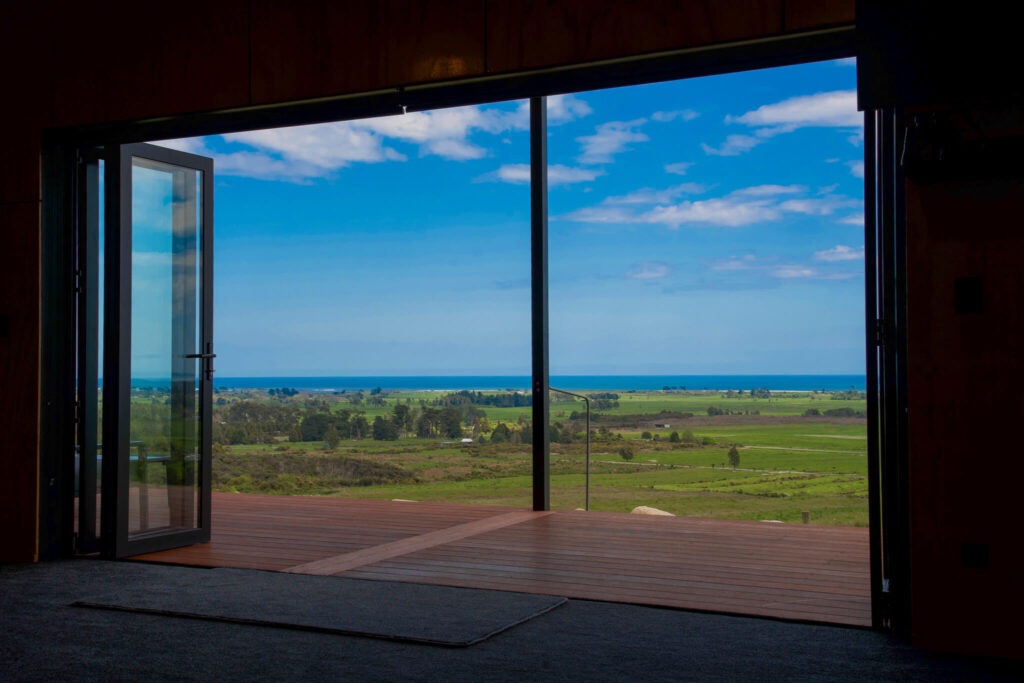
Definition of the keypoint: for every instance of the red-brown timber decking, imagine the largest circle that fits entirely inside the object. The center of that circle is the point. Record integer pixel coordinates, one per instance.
(789, 571)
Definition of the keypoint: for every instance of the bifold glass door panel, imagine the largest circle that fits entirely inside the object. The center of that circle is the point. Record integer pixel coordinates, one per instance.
(164, 372)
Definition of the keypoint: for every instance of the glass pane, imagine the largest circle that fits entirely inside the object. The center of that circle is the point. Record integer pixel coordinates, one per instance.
(165, 440)
(707, 295)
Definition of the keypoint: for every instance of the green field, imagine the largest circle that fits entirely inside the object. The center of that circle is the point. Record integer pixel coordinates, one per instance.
(791, 459)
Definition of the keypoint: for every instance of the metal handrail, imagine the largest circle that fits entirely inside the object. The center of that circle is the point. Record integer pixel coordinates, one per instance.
(586, 504)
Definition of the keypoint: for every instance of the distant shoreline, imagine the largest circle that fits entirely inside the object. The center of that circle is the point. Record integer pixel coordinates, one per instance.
(805, 383)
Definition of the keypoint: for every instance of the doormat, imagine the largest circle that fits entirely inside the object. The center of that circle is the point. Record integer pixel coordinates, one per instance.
(434, 615)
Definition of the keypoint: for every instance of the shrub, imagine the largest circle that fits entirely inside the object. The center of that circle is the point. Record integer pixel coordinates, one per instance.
(734, 457)
(331, 438)
(645, 435)
(626, 454)
(674, 437)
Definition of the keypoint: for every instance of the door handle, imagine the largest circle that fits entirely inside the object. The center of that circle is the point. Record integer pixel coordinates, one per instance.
(208, 357)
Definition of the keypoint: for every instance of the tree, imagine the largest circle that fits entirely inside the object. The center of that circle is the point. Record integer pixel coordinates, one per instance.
(360, 427)
(626, 454)
(331, 438)
(501, 434)
(295, 434)
(402, 414)
(674, 437)
(688, 437)
(384, 430)
(645, 435)
(314, 426)
(734, 457)
(451, 423)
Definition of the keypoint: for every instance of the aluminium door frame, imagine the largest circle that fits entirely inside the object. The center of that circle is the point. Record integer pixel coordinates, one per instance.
(115, 539)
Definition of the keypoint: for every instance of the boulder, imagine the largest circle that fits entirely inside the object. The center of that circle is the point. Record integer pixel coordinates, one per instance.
(645, 510)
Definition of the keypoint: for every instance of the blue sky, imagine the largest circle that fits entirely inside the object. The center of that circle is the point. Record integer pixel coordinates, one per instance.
(712, 225)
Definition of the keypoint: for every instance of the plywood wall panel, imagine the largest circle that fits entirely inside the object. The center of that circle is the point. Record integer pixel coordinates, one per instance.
(119, 60)
(322, 48)
(19, 379)
(527, 34)
(19, 172)
(802, 15)
(19, 134)
(965, 375)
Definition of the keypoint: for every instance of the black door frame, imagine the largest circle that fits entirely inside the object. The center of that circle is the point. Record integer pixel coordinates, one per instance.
(115, 540)
(887, 443)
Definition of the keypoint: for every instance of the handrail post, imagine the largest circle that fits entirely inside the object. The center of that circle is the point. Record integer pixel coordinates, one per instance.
(586, 399)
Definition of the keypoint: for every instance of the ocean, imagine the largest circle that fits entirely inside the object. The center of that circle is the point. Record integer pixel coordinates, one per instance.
(523, 382)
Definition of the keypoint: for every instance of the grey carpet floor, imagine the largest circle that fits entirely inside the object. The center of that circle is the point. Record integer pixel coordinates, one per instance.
(43, 638)
(436, 615)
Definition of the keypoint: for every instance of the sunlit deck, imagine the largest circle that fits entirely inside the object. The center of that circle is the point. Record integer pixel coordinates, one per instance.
(789, 571)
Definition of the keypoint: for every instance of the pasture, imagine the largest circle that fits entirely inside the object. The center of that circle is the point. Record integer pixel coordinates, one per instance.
(788, 464)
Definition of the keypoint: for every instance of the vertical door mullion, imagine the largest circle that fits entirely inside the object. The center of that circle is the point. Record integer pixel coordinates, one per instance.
(88, 301)
(539, 300)
(116, 348)
(206, 368)
(892, 363)
(871, 319)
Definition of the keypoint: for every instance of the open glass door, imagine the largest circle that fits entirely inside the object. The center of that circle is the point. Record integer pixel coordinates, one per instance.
(158, 352)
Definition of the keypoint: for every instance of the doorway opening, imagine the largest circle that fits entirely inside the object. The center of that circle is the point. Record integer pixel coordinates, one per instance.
(444, 442)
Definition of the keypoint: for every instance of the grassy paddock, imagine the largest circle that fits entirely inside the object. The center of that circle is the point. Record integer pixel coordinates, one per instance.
(788, 463)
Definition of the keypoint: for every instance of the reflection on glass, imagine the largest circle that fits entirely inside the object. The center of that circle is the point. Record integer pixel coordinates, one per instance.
(165, 439)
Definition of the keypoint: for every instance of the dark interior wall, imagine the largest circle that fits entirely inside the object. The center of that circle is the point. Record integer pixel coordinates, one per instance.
(945, 70)
(72, 63)
(965, 411)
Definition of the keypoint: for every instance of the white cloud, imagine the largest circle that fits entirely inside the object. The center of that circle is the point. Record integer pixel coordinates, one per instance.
(565, 108)
(557, 174)
(722, 211)
(678, 168)
(248, 163)
(746, 206)
(601, 214)
(456, 150)
(610, 138)
(849, 61)
(836, 109)
(302, 153)
(853, 219)
(856, 168)
(725, 211)
(840, 252)
(770, 190)
(733, 145)
(649, 270)
(830, 109)
(819, 206)
(745, 262)
(666, 116)
(791, 272)
(650, 196)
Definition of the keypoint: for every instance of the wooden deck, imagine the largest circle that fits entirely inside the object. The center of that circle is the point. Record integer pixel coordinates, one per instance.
(789, 571)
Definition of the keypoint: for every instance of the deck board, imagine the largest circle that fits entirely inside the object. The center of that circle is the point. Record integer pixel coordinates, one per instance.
(789, 571)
